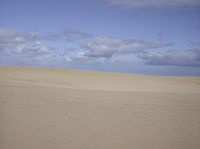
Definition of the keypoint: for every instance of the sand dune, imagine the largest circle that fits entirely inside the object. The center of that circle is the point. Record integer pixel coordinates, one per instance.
(71, 109)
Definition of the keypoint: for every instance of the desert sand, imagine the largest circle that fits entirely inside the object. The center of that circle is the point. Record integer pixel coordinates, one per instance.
(43, 108)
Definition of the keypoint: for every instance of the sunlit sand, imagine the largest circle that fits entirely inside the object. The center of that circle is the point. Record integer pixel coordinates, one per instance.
(42, 108)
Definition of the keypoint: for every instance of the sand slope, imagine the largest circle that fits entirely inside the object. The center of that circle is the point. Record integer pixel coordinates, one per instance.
(43, 108)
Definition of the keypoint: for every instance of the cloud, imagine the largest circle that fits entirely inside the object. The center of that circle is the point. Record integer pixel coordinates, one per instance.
(68, 49)
(196, 44)
(50, 36)
(153, 3)
(7, 35)
(31, 47)
(17, 44)
(81, 58)
(31, 50)
(75, 34)
(172, 57)
(107, 47)
(11, 39)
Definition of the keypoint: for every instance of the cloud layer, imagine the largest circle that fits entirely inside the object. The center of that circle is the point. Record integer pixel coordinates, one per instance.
(154, 3)
(172, 57)
(88, 49)
(107, 47)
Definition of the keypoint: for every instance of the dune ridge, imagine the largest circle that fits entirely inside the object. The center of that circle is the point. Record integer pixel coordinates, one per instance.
(91, 80)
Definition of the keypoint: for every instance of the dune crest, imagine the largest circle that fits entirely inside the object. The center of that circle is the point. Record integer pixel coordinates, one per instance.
(91, 80)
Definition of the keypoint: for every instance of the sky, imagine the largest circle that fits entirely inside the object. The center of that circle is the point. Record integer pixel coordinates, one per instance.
(156, 37)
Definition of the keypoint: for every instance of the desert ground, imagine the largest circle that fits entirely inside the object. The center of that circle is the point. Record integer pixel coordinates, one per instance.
(49, 108)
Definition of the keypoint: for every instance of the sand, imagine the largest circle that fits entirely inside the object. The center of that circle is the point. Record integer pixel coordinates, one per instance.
(43, 108)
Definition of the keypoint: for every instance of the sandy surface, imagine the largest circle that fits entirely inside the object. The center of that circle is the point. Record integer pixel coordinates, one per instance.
(44, 108)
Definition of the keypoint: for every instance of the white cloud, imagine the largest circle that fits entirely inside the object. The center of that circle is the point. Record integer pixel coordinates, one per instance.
(100, 49)
(109, 46)
(21, 44)
(31, 50)
(154, 3)
(172, 57)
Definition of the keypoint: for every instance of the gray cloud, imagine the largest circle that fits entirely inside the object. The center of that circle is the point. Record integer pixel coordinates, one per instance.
(154, 3)
(68, 49)
(196, 44)
(75, 34)
(109, 46)
(51, 36)
(9, 39)
(172, 57)
(81, 57)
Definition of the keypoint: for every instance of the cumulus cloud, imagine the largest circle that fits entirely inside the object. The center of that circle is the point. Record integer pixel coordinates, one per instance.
(107, 47)
(7, 35)
(11, 39)
(154, 3)
(172, 57)
(19, 44)
(31, 50)
(33, 44)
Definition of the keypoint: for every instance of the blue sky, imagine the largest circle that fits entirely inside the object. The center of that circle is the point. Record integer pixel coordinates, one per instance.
(136, 36)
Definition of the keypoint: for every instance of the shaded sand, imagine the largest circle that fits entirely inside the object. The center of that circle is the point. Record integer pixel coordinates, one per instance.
(43, 108)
